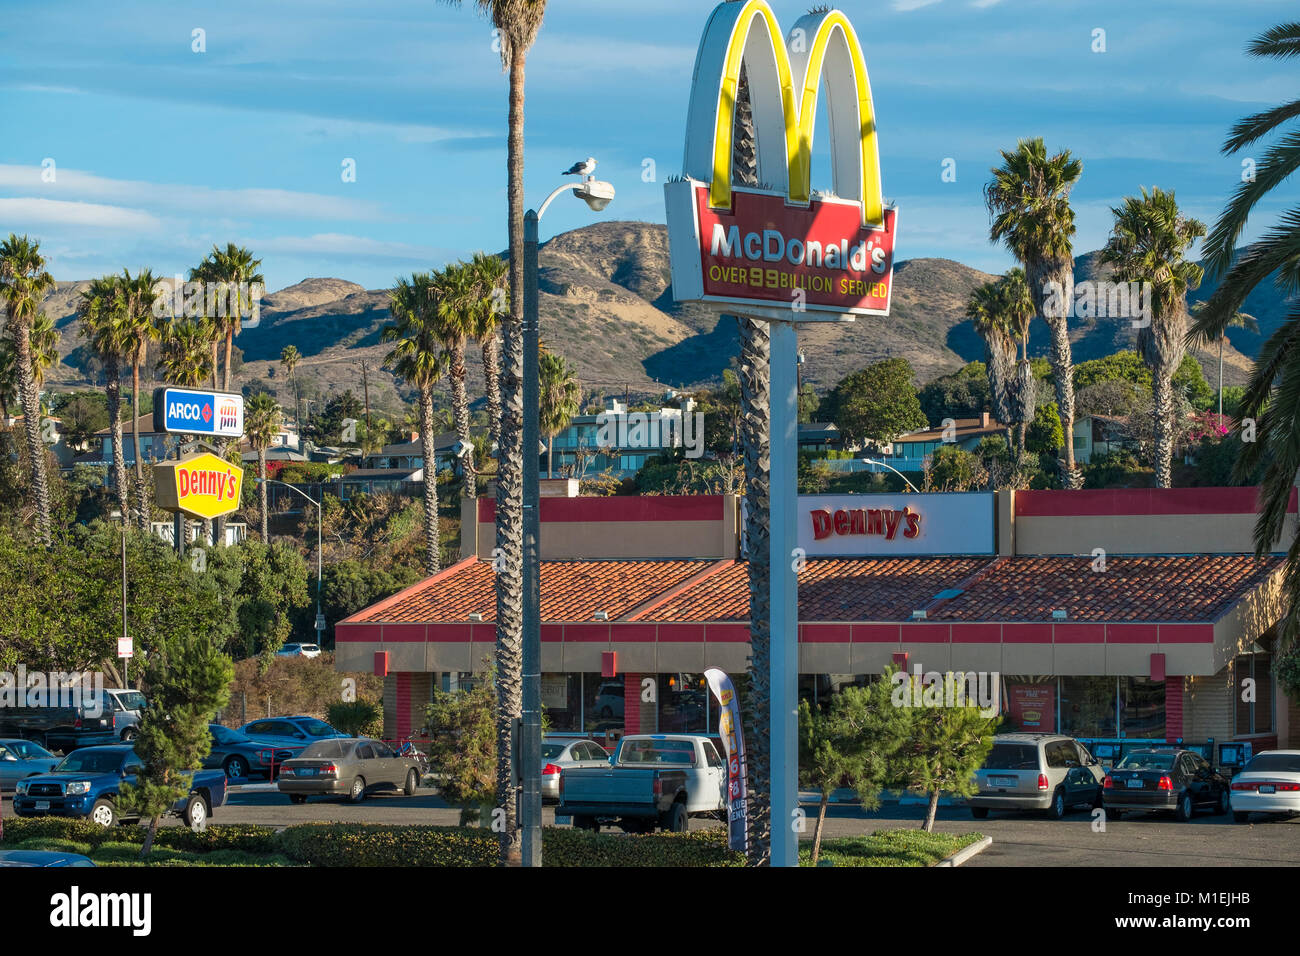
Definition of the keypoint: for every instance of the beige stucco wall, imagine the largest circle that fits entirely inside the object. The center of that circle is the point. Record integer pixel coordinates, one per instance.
(1138, 534)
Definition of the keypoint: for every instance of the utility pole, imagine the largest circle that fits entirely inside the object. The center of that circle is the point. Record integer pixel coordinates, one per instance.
(365, 388)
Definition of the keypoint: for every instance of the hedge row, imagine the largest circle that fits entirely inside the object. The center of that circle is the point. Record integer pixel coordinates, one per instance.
(335, 844)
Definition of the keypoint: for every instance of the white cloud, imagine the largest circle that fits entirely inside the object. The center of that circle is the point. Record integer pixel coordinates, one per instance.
(909, 5)
(185, 200)
(26, 212)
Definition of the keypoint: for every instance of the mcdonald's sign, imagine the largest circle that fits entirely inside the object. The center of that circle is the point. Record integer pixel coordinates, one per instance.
(781, 246)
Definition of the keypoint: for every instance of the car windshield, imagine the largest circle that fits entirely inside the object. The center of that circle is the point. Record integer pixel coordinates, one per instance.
(90, 761)
(317, 728)
(1274, 763)
(329, 749)
(657, 751)
(1012, 757)
(28, 750)
(224, 735)
(552, 750)
(131, 700)
(1139, 760)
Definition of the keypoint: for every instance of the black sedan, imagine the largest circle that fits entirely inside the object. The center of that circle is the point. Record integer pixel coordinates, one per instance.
(243, 758)
(1165, 779)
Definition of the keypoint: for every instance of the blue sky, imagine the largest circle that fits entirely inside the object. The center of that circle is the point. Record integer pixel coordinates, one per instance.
(160, 151)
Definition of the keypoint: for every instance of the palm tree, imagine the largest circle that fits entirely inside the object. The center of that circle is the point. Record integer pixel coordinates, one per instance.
(558, 399)
(754, 373)
(1239, 320)
(105, 326)
(1272, 398)
(261, 423)
(233, 266)
(23, 282)
(45, 347)
(1147, 244)
(138, 297)
(987, 312)
(185, 359)
(456, 295)
(289, 358)
(493, 300)
(517, 23)
(418, 359)
(1029, 202)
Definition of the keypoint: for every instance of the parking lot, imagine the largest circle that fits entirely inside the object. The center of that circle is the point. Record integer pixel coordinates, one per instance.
(1019, 839)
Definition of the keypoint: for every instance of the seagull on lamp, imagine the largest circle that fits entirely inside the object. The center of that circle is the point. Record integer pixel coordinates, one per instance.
(582, 168)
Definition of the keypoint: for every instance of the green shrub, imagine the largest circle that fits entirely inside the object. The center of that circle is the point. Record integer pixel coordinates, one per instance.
(242, 837)
(56, 845)
(359, 718)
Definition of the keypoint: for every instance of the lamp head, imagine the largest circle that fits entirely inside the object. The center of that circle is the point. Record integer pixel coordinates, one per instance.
(595, 193)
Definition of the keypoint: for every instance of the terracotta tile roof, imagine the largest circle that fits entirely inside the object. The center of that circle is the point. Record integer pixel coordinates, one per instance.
(1196, 587)
(570, 591)
(831, 589)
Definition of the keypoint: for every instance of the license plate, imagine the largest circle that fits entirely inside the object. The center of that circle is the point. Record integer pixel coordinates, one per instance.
(1002, 781)
(42, 804)
(1267, 788)
(561, 821)
(1136, 784)
(307, 772)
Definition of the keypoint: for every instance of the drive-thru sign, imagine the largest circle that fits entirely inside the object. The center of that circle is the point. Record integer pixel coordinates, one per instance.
(203, 486)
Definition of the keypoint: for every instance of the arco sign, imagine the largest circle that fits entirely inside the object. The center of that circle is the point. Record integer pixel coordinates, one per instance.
(782, 247)
(203, 486)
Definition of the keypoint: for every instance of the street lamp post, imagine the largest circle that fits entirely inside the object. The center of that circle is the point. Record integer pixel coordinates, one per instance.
(320, 620)
(528, 755)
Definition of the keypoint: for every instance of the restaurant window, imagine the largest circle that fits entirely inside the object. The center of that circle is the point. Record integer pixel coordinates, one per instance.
(683, 702)
(562, 701)
(1142, 708)
(1254, 700)
(1031, 704)
(1088, 706)
(602, 703)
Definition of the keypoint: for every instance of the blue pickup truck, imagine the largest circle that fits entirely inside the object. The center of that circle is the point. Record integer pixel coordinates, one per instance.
(87, 782)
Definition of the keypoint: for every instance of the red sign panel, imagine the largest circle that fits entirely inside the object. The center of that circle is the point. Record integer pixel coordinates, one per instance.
(1032, 707)
(818, 257)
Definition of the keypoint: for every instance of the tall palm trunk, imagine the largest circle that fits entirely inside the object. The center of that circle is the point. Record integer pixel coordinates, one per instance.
(550, 454)
(225, 371)
(460, 408)
(261, 487)
(756, 435)
(1060, 272)
(1161, 344)
(1164, 429)
(216, 353)
(142, 492)
(492, 383)
(431, 560)
(113, 390)
(510, 492)
(27, 394)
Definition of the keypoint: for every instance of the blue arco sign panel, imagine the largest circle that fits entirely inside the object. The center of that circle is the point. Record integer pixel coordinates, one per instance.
(199, 412)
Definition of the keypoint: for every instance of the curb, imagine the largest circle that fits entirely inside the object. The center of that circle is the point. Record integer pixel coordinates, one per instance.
(962, 855)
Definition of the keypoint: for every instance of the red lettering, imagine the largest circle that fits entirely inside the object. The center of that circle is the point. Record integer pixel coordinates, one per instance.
(913, 523)
(821, 522)
(858, 522)
(875, 522)
(891, 523)
(183, 482)
(841, 522)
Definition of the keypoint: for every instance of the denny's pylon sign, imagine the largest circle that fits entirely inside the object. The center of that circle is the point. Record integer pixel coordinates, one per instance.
(203, 486)
(782, 246)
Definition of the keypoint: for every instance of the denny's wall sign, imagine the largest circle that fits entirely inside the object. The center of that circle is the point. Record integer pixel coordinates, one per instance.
(203, 486)
(895, 524)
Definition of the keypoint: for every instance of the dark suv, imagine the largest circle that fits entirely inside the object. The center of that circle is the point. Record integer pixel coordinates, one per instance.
(62, 728)
(1037, 772)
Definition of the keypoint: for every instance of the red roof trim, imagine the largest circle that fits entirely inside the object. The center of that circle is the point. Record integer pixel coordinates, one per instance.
(1110, 502)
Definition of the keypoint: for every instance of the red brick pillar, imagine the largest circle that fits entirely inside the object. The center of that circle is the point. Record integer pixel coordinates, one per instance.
(631, 703)
(1173, 708)
(403, 706)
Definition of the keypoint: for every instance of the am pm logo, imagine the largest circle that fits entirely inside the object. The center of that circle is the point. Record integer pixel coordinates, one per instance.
(204, 486)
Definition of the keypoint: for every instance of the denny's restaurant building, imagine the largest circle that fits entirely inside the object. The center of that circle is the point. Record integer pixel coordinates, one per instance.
(1115, 616)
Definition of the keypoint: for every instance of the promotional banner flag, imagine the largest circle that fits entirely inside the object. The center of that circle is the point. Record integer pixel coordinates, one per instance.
(733, 741)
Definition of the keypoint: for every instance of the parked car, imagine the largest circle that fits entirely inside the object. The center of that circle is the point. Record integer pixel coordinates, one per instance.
(558, 755)
(1158, 778)
(242, 758)
(63, 728)
(1269, 783)
(299, 650)
(22, 758)
(609, 700)
(42, 858)
(87, 782)
(127, 707)
(352, 766)
(1048, 772)
(288, 731)
(652, 781)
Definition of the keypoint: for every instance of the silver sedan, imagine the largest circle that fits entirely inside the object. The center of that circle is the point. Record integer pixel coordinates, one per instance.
(20, 759)
(559, 755)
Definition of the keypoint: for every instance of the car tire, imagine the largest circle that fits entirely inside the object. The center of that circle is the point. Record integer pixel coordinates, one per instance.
(297, 798)
(677, 820)
(412, 783)
(1240, 816)
(103, 813)
(236, 768)
(1225, 802)
(1113, 814)
(586, 823)
(358, 791)
(979, 813)
(1057, 810)
(1185, 808)
(196, 814)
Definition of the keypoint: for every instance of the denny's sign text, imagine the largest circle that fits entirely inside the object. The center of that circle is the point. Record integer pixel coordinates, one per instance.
(203, 486)
(896, 524)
